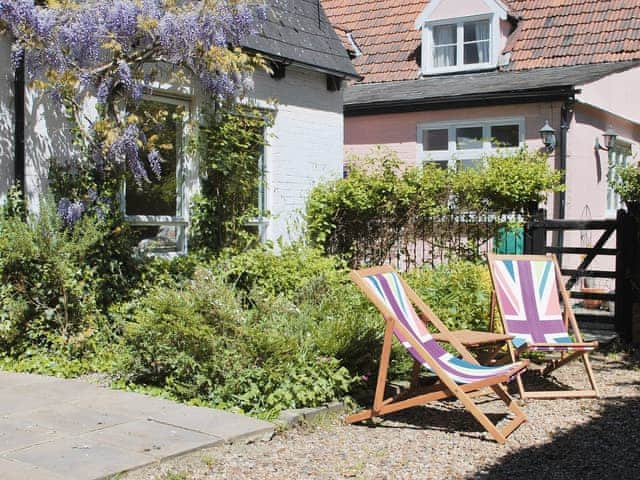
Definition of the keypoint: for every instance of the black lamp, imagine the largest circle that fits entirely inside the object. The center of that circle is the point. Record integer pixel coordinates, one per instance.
(548, 136)
(609, 137)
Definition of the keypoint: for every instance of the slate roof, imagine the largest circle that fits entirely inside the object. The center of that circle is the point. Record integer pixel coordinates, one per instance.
(449, 89)
(299, 31)
(549, 33)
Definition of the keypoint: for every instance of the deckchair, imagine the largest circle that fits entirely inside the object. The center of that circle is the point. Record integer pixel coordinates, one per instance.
(457, 377)
(527, 290)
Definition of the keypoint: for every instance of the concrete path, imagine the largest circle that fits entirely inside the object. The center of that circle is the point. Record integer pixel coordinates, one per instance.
(58, 429)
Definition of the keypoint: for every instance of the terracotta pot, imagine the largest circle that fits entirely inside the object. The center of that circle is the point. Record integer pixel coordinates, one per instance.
(590, 303)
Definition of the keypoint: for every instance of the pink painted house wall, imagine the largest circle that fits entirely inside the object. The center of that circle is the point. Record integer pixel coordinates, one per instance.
(398, 131)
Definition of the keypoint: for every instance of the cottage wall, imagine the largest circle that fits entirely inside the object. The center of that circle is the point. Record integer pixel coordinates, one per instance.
(305, 144)
(398, 131)
(6, 119)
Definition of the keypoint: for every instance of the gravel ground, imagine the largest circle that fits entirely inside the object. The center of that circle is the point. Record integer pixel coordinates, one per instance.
(563, 439)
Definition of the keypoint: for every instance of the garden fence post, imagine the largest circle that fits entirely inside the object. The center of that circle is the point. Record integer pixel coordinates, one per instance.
(626, 270)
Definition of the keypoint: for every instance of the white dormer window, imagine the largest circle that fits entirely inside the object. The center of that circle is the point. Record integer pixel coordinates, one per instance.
(460, 37)
(463, 45)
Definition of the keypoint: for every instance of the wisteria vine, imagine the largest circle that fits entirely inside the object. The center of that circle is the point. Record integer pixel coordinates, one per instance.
(104, 49)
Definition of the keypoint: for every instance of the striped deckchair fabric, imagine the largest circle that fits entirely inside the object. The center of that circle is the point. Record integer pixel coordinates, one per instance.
(456, 377)
(528, 290)
(388, 288)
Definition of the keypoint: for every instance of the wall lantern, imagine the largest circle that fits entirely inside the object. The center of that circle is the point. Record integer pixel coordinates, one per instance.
(548, 136)
(609, 137)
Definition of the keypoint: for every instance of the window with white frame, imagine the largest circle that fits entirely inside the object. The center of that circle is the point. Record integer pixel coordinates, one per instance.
(467, 44)
(619, 157)
(464, 144)
(158, 208)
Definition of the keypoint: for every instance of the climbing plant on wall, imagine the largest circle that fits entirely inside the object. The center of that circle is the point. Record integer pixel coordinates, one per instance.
(97, 59)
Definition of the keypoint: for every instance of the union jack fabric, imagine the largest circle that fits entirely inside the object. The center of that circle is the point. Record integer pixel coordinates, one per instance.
(388, 288)
(527, 293)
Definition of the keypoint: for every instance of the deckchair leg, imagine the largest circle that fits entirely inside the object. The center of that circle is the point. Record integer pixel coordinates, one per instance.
(514, 357)
(383, 368)
(592, 380)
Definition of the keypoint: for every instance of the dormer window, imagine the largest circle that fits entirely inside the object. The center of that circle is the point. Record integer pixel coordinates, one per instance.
(470, 40)
(463, 45)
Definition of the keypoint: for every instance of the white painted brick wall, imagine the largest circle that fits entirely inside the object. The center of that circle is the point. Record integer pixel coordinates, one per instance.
(6, 119)
(306, 141)
(305, 144)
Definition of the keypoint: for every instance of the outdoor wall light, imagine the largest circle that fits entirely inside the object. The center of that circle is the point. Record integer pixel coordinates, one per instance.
(548, 136)
(609, 137)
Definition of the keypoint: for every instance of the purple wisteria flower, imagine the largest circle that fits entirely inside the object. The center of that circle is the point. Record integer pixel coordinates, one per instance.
(70, 211)
(104, 46)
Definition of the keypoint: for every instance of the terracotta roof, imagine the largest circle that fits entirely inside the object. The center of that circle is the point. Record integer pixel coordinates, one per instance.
(384, 31)
(550, 33)
(558, 33)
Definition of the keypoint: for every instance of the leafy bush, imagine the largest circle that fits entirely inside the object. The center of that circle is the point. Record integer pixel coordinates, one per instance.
(48, 290)
(364, 215)
(198, 343)
(287, 272)
(626, 183)
(458, 292)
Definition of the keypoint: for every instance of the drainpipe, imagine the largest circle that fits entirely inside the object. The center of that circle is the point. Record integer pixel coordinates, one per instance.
(565, 119)
(18, 128)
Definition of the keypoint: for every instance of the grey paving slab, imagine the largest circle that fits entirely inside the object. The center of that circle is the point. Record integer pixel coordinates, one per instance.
(17, 434)
(53, 428)
(68, 419)
(13, 379)
(13, 470)
(152, 438)
(226, 425)
(32, 396)
(77, 459)
(119, 402)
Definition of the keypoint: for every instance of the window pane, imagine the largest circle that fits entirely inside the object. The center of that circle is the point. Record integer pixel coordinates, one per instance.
(444, 34)
(435, 139)
(474, 31)
(161, 124)
(445, 56)
(468, 138)
(158, 238)
(445, 38)
(505, 136)
(477, 42)
(476, 53)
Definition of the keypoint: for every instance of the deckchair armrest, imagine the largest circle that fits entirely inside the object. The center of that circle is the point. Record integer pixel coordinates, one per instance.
(474, 338)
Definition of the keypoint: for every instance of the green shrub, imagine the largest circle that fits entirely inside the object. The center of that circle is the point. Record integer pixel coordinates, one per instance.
(626, 182)
(363, 216)
(48, 292)
(458, 292)
(287, 272)
(198, 343)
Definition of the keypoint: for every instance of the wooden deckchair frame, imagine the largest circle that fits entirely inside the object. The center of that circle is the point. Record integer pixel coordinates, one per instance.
(570, 322)
(446, 387)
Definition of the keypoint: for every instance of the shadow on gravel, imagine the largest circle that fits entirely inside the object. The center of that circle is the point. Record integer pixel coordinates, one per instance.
(449, 416)
(606, 447)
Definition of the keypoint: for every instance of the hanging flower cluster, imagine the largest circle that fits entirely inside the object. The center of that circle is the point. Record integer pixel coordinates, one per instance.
(107, 50)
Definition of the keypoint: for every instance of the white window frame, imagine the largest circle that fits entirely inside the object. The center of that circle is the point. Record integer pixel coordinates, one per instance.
(452, 155)
(183, 182)
(627, 159)
(262, 221)
(428, 67)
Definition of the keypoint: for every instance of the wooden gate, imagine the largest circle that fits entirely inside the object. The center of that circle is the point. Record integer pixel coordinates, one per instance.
(537, 241)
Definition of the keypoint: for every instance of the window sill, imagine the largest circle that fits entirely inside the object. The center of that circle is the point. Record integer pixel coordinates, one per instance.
(476, 68)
